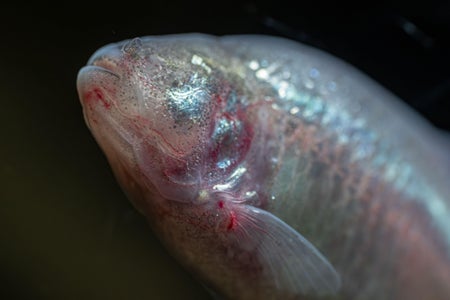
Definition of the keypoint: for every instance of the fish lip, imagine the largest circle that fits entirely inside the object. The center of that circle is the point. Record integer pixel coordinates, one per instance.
(107, 59)
(98, 68)
(106, 67)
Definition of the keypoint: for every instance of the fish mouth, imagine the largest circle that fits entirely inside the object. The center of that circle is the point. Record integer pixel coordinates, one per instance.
(105, 65)
(107, 59)
(111, 56)
(101, 69)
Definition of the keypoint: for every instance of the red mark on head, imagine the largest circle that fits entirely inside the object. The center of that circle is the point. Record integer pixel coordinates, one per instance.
(219, 99)
(220, 203)
(232, 223)
(97, 94)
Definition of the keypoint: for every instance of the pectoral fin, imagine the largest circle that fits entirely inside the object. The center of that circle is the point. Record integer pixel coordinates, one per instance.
(290, 261)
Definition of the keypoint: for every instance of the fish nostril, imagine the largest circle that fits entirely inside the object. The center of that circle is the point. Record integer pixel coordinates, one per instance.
(132, 47)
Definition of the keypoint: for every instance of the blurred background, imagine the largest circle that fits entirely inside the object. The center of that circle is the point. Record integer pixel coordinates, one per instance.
(66, 229)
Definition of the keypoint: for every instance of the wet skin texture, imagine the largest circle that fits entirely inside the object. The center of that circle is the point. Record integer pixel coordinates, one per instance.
(272, 170)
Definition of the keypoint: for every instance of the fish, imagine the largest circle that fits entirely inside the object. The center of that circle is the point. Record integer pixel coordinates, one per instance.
(273, 170)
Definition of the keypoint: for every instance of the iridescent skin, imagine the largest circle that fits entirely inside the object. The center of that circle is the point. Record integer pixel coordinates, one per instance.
(272, 170)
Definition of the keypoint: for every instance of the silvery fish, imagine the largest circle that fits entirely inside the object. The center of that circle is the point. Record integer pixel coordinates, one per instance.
(272, 170)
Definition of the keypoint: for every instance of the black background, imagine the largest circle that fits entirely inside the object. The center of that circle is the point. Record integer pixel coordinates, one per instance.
(66, 230)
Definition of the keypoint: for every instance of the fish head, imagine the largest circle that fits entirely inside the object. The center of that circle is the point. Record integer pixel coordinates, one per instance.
(152, 107)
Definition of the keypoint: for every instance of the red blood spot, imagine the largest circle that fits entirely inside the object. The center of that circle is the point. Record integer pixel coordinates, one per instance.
(175, 171)
(215, 153)
(232, 223)
(96, 94)
(219, 99)
(100, 97)
(220, 204)
(228, 116)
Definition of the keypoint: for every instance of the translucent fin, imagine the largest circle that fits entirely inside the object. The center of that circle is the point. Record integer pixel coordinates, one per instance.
(291, 261)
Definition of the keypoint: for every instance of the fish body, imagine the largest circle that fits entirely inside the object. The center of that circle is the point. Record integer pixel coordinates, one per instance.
(272, 170)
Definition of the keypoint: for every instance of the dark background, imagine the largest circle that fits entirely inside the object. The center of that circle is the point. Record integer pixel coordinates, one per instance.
(66, 229)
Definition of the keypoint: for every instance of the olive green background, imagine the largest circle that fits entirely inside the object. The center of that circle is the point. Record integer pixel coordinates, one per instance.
(66, 229)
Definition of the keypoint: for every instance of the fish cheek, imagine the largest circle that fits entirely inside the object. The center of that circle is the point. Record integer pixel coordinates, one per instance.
(154, 167)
